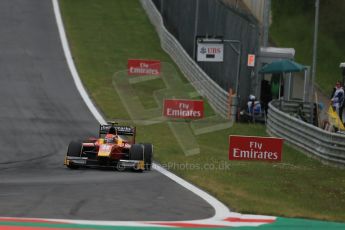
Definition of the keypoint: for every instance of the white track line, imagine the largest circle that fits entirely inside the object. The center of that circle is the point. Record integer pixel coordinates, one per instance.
(221, 211)
(71, 65)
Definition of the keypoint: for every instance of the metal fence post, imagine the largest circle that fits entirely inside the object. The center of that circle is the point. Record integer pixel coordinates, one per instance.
(196, 27)
(266, 23)
(316, 29)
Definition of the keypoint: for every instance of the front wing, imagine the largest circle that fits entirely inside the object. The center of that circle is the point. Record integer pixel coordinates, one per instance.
(120, 165)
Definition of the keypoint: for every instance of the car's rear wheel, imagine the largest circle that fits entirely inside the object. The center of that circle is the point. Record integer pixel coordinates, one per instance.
(148, 155)
(74, 150)
(136, 152)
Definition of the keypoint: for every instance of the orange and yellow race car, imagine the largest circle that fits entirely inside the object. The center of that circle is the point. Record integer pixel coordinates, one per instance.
(115, 147)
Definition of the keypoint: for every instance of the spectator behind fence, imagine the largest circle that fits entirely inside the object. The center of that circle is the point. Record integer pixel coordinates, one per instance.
(337, 99)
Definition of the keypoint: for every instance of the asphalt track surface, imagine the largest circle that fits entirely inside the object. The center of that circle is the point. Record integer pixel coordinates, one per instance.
(40, 112)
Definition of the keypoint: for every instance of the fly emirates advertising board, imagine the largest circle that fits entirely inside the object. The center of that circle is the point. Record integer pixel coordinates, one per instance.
(255, 148)
(138, 67)
(184, 109)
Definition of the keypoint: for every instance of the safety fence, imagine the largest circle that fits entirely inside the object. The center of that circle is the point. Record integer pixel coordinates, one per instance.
(193, 21)
(216, 96)
(329, 147)
(299, 109)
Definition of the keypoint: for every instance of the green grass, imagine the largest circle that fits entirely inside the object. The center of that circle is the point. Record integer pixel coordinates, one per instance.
(103, 34)
(293, 26)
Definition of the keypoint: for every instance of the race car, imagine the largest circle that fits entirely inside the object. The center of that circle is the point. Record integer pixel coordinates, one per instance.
(115, 147)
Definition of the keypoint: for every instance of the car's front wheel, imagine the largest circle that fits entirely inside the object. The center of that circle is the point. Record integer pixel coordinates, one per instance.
(74, 150)
(136, 152)
(148, 155)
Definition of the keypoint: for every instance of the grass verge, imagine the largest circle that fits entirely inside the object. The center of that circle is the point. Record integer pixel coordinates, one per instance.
(103, 34)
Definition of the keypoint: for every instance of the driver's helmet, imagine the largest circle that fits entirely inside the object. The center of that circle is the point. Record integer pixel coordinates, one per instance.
(109, 138)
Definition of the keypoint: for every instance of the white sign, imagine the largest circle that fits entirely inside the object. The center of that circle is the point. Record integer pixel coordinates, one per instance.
(210, 52)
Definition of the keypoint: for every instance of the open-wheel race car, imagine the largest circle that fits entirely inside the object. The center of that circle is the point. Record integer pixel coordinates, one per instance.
(114, 147)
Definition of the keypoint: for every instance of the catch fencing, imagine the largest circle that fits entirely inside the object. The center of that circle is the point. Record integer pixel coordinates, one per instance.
(327, 146)
(192, 20)
(216, 96)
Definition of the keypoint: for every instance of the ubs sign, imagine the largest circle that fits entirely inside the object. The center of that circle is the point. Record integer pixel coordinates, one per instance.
(210, 51)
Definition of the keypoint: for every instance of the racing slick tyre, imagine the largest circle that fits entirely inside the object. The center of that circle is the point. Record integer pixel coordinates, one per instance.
(148, 155)
(136, 152)
(74, 150)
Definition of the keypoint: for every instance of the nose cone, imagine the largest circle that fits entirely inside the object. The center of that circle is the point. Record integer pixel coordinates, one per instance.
(104, 150)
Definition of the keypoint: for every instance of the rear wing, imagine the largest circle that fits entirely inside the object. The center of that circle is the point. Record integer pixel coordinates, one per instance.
(119, 130)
